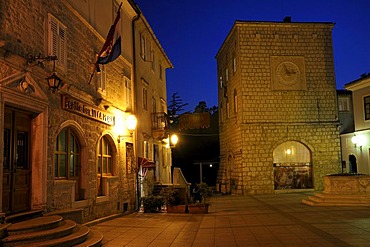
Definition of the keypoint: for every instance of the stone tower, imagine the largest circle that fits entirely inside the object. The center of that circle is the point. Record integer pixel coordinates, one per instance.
(277, 107)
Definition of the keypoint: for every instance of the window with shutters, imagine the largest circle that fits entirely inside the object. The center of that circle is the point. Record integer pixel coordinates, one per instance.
(57, 41)
(343, 103)
(128, 92)
(145, 98)
(367, 107)
(154, 105)
(153, 60)
(101, 78)
(142, 46)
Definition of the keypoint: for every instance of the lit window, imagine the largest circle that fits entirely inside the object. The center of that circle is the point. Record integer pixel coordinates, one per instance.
(227, 75)
(67, 155)
(343, 104)
(148, 150)
(67, 161)
(105, 162)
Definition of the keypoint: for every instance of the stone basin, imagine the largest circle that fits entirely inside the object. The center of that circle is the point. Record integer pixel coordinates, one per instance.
(342, 190)
(351, 184)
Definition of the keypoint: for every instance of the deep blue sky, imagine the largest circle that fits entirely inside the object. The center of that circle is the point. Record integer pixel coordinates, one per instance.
(192, 31)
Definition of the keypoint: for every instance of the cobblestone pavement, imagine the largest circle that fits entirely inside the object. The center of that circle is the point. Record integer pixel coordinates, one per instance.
(260, 220)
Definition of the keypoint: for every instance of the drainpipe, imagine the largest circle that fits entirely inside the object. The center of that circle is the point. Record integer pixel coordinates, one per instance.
(137, 10)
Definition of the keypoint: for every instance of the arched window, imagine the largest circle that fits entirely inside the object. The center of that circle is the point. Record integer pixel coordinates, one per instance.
(105, 162)
(292, 166)
(67, 155)
(67, 159)
(105, 157)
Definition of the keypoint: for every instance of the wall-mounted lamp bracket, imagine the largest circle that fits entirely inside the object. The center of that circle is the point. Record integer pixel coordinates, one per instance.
(39, 59)
(53, 80)
(123, 136)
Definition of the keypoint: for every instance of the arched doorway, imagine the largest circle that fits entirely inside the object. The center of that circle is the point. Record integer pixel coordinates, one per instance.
(352, 163)
(292, 166)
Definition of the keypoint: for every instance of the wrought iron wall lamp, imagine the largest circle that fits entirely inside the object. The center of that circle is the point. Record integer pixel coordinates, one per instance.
(53, 80)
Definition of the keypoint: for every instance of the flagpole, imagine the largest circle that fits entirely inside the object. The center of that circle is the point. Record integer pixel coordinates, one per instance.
(102, 50)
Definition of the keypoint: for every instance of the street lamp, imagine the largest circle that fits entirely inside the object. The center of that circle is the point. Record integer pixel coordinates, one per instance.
(131, 122)
(173, 140)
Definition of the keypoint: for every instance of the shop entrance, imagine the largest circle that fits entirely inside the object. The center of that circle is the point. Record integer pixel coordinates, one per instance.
(16, 161)
(292, 166)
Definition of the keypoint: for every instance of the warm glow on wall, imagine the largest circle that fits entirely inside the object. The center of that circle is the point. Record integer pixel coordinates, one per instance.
(174, 139)
(131, 122)
(124, 125)
(359, 140)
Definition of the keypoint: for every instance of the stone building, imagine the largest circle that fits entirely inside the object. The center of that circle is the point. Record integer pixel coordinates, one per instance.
(355, 141)
(277, 107)
(72, 149)
(153, 147)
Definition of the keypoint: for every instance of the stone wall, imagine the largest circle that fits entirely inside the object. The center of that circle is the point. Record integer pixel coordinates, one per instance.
(274, 107)
(24, 29)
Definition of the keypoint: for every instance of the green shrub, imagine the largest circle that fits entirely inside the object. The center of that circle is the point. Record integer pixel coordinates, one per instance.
(205, 191)
(171, 196)
(152, 204)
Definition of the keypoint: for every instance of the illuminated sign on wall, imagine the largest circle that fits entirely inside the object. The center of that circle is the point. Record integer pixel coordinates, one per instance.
(73, 105)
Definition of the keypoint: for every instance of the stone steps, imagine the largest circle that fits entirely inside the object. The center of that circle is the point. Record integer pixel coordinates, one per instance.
(158, 188)
(50, 231)
(23, 216)
(345, 200)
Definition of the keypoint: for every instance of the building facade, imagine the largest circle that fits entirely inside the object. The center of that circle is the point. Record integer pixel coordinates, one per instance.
(70, 149)
(151, 63)
(345, 111)
(355, 142)
(277, 107)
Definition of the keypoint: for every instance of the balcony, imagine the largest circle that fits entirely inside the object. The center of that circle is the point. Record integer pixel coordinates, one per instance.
(159, 125)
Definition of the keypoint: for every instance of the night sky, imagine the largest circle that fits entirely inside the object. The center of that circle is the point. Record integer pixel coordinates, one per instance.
(191, 33)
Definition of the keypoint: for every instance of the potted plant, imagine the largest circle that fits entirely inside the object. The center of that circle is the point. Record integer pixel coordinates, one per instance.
(201, 193)
(172, 198)
(152, 204)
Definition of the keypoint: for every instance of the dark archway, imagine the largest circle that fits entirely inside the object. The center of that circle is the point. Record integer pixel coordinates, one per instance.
(352, 163)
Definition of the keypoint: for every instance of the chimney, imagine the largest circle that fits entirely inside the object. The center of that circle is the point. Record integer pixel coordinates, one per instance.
(287, 19)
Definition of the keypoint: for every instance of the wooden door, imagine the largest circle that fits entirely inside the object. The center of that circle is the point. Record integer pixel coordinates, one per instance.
(16, 165)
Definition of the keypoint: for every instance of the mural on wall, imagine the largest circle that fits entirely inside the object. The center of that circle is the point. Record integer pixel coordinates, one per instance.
(292, 166)
(296, 176)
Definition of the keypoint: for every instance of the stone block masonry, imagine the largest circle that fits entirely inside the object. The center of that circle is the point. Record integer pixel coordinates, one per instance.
(285, 87)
